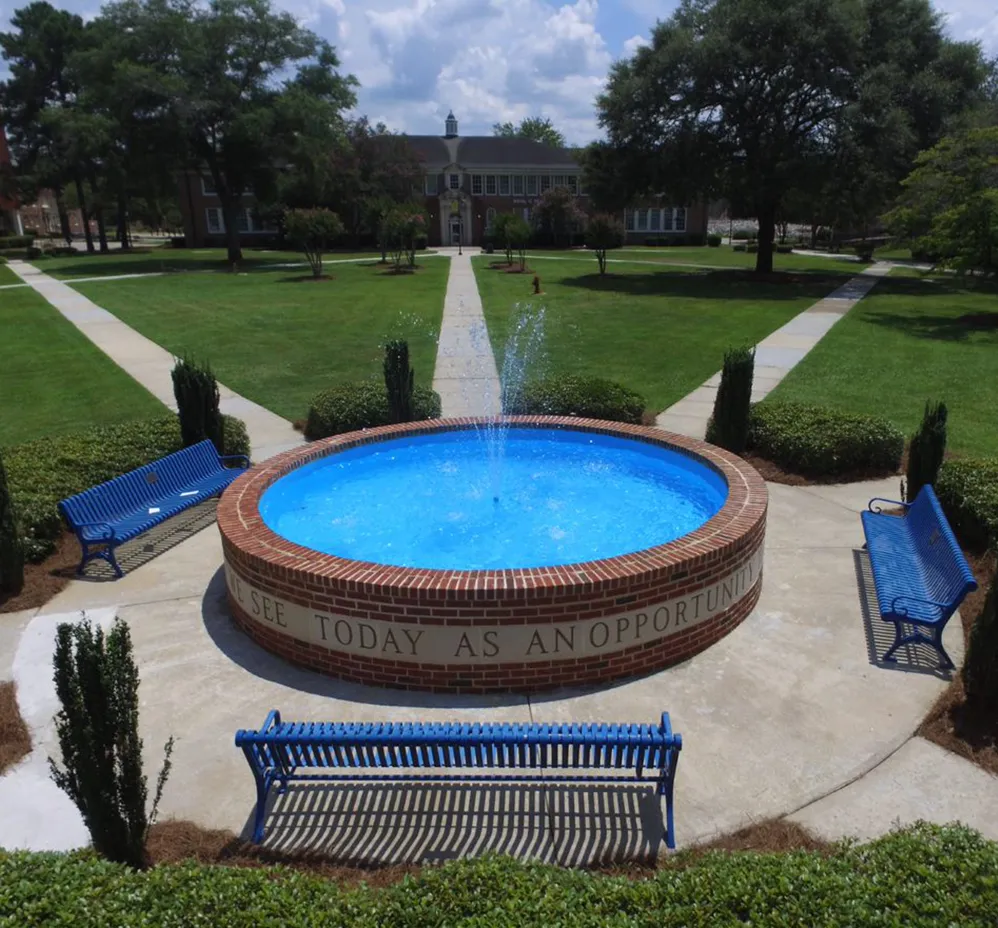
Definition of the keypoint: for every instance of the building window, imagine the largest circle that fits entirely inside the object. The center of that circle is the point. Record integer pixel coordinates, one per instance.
(504, 185)
(573, 184)
(208, 185)
(531, 185)
(476, 184)
(629, 220)
(641, 225)
(216, 222)
(526, 213)
(558, 180)
(653, 220)
(666, 220)
(517, 185)
(490, 185)
(245, 221)
(490, 217)
(681, 219)
(455, 182)
(431, 185)
(545, 182)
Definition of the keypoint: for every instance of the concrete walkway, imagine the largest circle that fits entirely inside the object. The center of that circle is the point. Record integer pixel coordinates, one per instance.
(791, 714)
(776, 355)
(465, 375)
(149, 364)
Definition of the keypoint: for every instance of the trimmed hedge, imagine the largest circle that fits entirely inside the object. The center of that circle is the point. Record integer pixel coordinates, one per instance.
(713, 240)
(820, 442)
(42, 472)
(968, 492)
(585, 397)
(922, 877)
(16, 241)
(361, 405)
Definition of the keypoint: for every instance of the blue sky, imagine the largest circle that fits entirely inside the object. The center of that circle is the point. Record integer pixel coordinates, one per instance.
(498, 60)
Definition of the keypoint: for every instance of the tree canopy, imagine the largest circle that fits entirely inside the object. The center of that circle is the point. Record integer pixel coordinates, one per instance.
(537, 129)
(753, 99)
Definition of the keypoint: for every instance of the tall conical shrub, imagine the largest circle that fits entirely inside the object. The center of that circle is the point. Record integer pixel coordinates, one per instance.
(196, 392)
(926, 450)
(399, 379)
(980, 669)
(11, 543)
(97, 683)
(729, 425)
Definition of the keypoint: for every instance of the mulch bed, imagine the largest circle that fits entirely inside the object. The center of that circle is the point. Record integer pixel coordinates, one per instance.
(173, 841)
(15, 740)
(776, 474)
(43, 581)
(951, 723)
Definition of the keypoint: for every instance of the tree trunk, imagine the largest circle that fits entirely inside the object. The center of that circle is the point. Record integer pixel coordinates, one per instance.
(767, 230)
(64, 226)
(123, 222)
(87, 234)
(230, 210)
(101, 230)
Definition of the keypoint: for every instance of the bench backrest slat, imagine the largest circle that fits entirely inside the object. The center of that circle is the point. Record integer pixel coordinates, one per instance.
(945, 570)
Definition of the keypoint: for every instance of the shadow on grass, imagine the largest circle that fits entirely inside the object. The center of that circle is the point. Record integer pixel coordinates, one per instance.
(712, 285)
(938, 326)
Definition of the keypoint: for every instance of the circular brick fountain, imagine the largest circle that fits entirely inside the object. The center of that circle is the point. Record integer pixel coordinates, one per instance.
(484, 631)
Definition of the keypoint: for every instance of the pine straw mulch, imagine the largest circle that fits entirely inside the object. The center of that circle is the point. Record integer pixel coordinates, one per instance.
(951, 723)
(42, 581)
(173, 841)
(15, 739)
(773, 473)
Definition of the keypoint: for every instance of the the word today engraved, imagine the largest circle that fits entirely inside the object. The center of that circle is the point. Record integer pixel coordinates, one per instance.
(443, 644)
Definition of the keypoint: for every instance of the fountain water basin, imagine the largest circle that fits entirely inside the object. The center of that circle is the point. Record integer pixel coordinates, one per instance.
(403, 556)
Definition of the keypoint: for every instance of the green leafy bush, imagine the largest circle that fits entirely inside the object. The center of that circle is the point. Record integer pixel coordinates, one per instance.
(16, 241)
(980, 668)
(714, 241)
(752, 247)
(968, 492)
(739, 246)
(196, 392)
(821, 442)
(361, 405)
(42, 472)
(11, 543)
(922, 877)
(586, 397)
(742, 235)
(784, 249)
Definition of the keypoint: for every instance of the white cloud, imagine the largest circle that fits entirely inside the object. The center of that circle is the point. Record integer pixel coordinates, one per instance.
(635, 42)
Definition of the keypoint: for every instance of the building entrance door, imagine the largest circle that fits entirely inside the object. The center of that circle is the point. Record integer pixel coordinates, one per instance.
(455, 231)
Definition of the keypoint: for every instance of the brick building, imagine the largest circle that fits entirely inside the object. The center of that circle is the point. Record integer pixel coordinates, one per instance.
(42, 217)
(468, 181)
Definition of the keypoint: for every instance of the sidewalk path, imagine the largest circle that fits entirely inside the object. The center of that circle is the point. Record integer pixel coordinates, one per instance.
(150, 364)
(465, 375)
(776, 355)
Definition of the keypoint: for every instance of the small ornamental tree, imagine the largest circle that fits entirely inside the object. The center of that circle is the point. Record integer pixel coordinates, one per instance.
(11, 543)
(926, 450)
(555, 214)
(399, 380)
(603, 233)
(196, 391)
(729, 425)
(97, 683)
(518, 235)
(313, 230)
(405, 225)
(500, 233)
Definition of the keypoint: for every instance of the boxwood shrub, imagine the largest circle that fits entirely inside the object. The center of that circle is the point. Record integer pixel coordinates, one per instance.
(923, 877)
(586, 397)
(819, 442)
(361, 405)
(968, 492)
(44, 471)
(714, 240)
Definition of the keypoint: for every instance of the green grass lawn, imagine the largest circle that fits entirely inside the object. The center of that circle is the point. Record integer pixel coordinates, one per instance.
(7, 276)
(53, 380)
(912, 339)
(178, 259)
(277, 338)
(659, 331)
(724, 256)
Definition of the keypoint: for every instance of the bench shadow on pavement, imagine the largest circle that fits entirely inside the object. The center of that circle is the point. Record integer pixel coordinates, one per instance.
(913, 658)
(140, 550)
(395, 823)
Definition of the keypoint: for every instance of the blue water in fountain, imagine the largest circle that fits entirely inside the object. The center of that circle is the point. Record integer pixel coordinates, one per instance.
(427, 501)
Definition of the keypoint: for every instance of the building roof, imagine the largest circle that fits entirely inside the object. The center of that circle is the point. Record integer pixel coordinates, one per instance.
(494, 151)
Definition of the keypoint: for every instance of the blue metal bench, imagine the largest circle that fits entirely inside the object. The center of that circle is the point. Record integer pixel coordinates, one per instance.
(111, 513)
(279, 750)
(919, 571)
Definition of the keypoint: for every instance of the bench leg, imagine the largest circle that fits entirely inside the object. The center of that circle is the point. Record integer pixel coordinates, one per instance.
(935, 640)
(665, 788)
(103, 552)
(262, 790)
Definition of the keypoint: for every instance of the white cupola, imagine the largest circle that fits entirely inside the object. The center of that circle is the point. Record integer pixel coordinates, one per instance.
(450, 126)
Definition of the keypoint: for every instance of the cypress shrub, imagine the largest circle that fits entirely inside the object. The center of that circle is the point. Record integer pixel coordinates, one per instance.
(97, 683)
(361, 405)
(196, 392)
(399, 381)
(11, 544)
(729, 425)
(926, 450)
(980, 669)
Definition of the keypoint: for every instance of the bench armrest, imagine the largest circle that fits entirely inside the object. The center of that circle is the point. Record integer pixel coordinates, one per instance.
(105, 527)
(902, 611)
(235, 457)
(881, 499)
